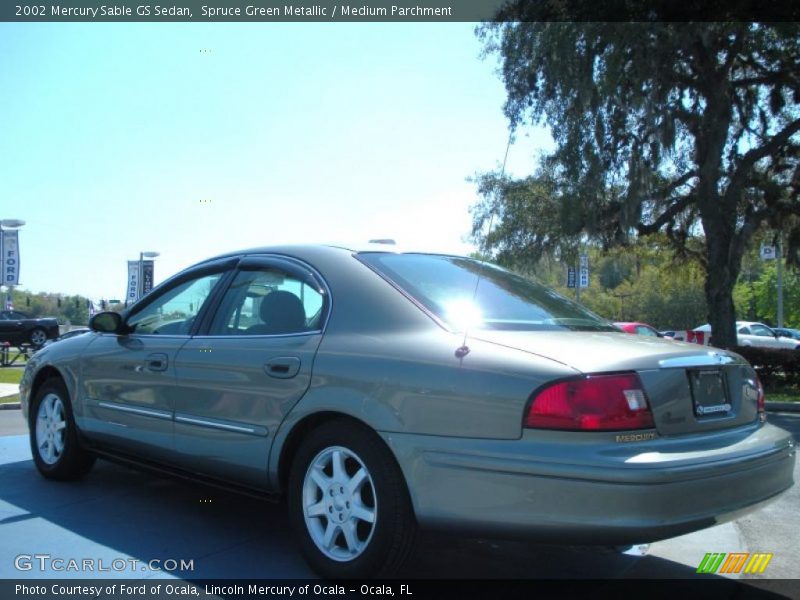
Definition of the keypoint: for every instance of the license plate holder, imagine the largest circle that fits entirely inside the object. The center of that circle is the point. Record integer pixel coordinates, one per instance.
(709, 393)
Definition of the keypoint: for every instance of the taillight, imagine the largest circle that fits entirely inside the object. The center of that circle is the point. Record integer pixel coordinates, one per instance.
(761, 403)
(593, 403)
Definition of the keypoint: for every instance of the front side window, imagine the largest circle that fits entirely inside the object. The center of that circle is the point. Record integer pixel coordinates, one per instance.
(174, 312)
(269, 301)
(761, 330)
(446, 286)
(642, 330)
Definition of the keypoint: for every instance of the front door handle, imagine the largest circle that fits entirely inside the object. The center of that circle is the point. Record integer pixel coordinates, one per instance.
(156, 362)
(283, 367)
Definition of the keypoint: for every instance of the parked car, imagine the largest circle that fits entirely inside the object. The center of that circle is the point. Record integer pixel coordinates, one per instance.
(639, 329)
(17, 328)
(788, 333)
(383, 391)
(757, 334)
(69, 334)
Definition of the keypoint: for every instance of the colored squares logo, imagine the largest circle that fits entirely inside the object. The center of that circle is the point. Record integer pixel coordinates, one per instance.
(734, 562)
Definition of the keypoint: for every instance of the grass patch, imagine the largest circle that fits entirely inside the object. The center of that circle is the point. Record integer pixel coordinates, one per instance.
(9, 399)
(10, 374)
(783, 392)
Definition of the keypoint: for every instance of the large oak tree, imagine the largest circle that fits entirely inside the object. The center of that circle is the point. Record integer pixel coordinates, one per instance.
(687, 129)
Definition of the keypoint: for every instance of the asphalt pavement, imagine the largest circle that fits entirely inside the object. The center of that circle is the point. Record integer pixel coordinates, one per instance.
(117, 513)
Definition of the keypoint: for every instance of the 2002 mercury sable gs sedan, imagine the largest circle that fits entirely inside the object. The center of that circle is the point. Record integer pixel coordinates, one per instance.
(382, 391)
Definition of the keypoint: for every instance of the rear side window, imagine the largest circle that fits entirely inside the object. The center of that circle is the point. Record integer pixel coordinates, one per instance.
(446, 286)
(268, 301)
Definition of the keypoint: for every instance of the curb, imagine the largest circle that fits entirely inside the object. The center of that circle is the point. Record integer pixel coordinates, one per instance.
(10, 406)
(783, 407)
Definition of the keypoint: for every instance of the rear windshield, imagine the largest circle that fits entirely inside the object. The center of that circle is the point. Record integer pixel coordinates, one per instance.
(445, 285)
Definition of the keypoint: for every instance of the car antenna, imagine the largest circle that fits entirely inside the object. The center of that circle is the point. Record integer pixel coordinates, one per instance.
(463, 350)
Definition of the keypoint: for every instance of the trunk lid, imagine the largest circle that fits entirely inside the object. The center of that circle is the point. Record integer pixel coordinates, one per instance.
(690, 388)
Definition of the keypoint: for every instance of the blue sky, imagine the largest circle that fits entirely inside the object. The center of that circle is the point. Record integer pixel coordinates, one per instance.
(196, 139)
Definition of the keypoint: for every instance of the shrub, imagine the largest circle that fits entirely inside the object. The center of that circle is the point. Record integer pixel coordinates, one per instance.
(774, 366)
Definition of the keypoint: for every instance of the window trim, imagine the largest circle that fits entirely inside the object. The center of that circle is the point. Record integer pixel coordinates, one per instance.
(224, 266)
(253, 262)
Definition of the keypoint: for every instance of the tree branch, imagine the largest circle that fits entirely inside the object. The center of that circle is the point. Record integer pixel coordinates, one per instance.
(751, 157)
(678, 206)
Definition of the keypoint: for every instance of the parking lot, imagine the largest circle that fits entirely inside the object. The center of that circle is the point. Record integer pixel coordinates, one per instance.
(121, 514)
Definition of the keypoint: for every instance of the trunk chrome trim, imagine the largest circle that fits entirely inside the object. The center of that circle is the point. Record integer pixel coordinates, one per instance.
(709, 359)
(147, 412)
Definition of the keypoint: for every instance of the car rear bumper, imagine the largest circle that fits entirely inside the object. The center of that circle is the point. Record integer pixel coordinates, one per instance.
(592, 492)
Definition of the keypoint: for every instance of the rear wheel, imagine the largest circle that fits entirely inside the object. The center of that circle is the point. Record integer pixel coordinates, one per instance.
(348, 503)
(54, 438)
(38, 337)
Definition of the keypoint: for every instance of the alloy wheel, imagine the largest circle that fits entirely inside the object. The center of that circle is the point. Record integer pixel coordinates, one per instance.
(51, 425)
(38, 337)
(339, 503)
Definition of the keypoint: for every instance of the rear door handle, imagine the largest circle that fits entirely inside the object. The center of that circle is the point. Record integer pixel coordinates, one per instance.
(283, 367)
(156, 362)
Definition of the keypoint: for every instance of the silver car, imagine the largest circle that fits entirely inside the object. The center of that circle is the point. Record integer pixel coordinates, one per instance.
(384, 391)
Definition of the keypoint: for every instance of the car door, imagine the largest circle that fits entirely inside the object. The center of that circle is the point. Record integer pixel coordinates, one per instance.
(128, 381)
(763, 336)
(745, 338)
(239, 380)
(12, 329)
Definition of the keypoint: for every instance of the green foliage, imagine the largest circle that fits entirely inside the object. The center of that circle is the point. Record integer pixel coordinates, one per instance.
(73, 309)
(638, 283)
(765, 295)
(775, 367)
(659, 128)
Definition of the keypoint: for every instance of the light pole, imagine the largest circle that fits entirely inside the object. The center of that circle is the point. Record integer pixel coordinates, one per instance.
(779, 267)
(9, 224)
(142, 256)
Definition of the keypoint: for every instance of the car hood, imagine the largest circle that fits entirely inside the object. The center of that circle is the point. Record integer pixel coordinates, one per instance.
(592, 352)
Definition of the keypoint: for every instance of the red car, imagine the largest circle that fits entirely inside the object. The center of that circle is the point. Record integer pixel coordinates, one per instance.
(639, 328)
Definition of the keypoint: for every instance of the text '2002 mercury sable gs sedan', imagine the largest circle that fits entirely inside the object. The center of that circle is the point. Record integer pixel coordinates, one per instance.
(384, 391)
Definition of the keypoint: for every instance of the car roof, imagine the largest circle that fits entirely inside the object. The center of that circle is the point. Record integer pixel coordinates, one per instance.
(707, 327)
(302, 249)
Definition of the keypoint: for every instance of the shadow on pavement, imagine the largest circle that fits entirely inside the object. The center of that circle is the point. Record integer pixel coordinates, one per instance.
(120, 512)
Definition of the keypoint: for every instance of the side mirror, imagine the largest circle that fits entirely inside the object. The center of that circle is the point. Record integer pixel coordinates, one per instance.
(106, 322)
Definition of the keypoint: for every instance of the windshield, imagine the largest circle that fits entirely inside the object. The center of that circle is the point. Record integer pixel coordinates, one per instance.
(445, 285)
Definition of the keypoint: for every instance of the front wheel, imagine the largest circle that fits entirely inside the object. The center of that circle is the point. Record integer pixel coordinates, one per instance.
(348, 503)
(54, 438)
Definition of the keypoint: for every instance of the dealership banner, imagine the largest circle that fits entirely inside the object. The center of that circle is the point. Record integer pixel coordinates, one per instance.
(132, 294)
(147, 276)
(10, 245)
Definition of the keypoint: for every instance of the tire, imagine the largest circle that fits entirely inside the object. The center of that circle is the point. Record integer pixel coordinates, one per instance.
(37, 337)
(56, 450)
(336, 537)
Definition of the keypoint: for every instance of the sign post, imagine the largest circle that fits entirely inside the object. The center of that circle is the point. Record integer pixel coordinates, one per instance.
(775, 253)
